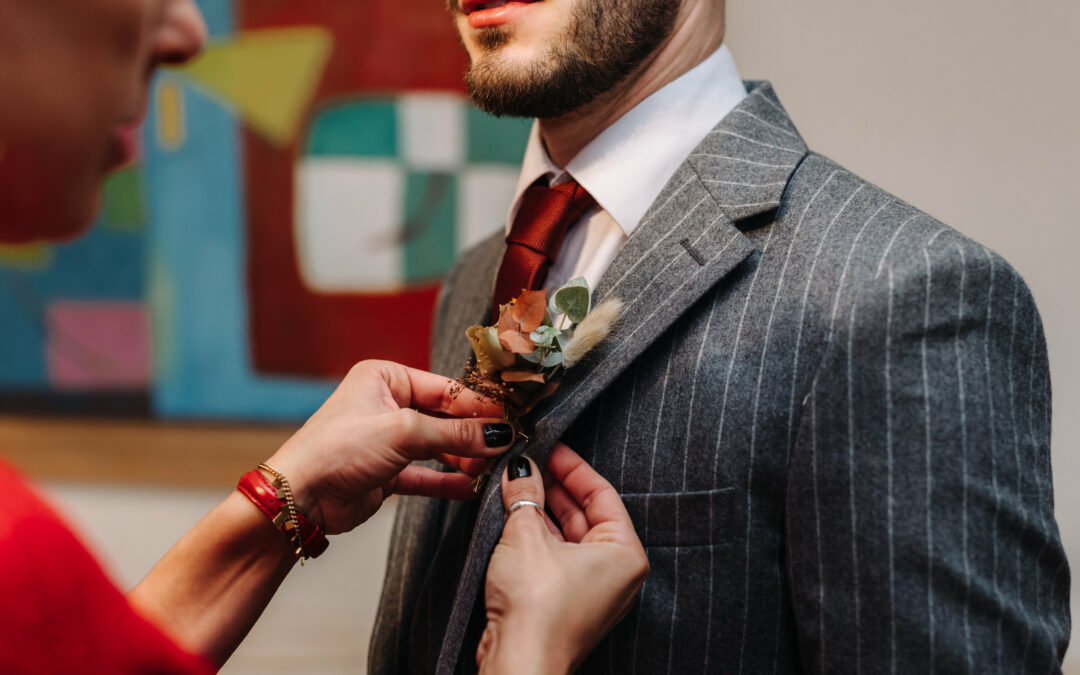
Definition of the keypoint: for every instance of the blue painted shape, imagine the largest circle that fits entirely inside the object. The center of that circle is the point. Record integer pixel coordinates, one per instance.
(198, 293)
(219, 15)
(102, 265)
(22, 330)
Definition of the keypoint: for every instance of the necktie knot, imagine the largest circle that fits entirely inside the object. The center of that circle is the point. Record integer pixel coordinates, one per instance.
(545, 215)
(536, 236)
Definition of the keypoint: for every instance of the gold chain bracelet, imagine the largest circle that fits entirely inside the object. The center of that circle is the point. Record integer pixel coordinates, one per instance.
(290, 525)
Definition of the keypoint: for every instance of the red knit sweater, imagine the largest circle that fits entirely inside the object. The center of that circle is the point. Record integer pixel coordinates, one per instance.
(60, 613)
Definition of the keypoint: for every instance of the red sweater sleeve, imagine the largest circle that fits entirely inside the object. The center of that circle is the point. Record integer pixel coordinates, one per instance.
(61, 614)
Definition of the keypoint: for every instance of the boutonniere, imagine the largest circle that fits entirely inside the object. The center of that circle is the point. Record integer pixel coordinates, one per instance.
(521, 360)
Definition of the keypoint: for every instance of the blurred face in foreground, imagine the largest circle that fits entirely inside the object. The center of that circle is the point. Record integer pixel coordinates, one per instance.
(547, 58)
(74, 84)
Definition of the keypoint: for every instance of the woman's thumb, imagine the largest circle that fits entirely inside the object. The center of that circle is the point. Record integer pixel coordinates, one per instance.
(523, 489)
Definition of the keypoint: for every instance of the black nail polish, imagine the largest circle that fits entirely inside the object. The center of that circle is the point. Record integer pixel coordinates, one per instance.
(518, 467)
(498, 435)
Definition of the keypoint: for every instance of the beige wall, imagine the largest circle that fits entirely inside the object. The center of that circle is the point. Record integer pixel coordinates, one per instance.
(967, 109)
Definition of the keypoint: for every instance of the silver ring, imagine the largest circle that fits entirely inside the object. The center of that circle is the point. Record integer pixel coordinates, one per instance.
(522, 503)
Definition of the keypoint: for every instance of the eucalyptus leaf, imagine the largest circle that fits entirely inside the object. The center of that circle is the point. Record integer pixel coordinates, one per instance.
(545, 336)
(534, 357)
(552, 359)
(572, 299)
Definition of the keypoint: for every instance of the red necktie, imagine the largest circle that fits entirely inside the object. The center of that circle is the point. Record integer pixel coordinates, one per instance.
(545, 215)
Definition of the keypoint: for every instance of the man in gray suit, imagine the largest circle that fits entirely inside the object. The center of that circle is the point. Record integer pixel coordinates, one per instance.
(828, 413)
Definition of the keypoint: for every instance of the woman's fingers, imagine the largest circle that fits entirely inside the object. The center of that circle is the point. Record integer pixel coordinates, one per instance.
(566, 510)
(525, 482)
(474, 466)
(598, 500)
(523, 495)
(438, 394)
(424, 437)
(427, 482)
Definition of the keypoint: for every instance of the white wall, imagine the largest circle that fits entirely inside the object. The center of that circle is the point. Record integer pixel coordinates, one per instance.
(968, 109)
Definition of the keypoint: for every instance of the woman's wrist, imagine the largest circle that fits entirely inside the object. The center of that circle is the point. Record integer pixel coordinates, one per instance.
(529, 650)
(260, 537)
(271, 492)
(304, 489)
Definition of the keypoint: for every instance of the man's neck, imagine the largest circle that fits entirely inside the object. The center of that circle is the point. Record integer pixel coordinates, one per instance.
(699, 31)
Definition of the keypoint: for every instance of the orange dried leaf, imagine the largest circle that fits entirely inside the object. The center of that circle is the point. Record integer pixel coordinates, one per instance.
(521, 376)
(518, 319)
(518, 343)
(529, 310)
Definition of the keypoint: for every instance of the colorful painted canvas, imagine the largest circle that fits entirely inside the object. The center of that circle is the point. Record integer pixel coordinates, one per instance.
(303, 187)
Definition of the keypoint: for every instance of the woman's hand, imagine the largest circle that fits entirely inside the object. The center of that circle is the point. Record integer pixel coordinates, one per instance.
(355, 450)
(552, 595)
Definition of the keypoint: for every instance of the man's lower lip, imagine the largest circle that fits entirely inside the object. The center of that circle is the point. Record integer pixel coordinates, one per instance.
(497, 16)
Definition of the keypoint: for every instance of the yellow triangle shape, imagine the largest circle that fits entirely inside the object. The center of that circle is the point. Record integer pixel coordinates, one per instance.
(268, 76)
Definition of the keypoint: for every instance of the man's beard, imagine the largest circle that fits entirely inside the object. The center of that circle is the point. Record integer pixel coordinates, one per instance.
(606, 41)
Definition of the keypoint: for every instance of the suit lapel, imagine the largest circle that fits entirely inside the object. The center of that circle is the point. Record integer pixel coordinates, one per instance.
(687, 242)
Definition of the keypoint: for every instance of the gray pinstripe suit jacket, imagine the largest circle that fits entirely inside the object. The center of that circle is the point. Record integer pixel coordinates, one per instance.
(828, 415)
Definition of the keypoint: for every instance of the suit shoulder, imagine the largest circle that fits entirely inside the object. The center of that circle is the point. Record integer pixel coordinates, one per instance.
(880, 227)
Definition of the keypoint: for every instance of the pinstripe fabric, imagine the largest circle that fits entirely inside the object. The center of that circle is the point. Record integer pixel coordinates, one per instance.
(828, 415)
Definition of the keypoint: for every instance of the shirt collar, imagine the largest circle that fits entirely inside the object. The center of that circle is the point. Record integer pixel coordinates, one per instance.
(628, 164)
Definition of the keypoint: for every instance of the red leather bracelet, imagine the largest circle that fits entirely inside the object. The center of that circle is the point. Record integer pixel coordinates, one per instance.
(262, 493)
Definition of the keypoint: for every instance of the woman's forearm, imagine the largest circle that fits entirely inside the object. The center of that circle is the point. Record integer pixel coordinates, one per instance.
(211, 586)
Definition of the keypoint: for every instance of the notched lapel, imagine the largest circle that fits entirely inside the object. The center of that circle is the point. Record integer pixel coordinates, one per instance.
(747, 160)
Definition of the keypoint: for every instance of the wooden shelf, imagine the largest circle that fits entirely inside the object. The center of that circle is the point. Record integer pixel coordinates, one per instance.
(137, 452)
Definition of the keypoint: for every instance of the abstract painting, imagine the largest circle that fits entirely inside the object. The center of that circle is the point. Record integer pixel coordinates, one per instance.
(302, 188)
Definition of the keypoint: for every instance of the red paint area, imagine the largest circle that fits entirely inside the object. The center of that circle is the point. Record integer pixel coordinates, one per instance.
(381, 47)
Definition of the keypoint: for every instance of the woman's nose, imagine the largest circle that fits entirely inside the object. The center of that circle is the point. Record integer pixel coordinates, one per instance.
(182, 34)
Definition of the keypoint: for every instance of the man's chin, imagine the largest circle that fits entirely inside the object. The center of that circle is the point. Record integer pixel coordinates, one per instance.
(490, 39)
(503, 88)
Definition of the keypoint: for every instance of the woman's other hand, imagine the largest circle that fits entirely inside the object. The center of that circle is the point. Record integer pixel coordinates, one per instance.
(553, 594)
(355, 450)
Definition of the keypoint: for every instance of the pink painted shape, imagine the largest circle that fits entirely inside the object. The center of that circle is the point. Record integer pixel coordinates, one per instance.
(98, 346)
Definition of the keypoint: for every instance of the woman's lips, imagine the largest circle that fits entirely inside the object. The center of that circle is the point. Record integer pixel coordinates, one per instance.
(486, 13)
(124, 145)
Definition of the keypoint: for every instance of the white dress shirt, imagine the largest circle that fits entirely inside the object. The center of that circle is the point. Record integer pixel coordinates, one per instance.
(628, 164)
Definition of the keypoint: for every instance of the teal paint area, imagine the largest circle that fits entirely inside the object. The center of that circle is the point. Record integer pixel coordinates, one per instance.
(495, 139)
(429, 233)
(366, 128)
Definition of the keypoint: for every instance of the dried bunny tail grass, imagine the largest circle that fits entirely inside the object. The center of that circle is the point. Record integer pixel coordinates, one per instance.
(593, 329)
